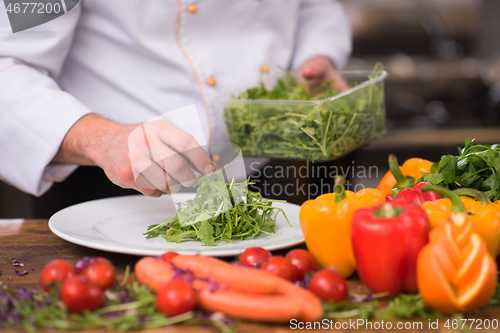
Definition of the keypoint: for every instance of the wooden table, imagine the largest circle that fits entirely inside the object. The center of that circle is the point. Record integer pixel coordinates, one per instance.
(33, 244)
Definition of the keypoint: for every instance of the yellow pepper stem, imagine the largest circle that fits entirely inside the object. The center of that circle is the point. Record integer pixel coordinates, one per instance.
(456, 204)
(339, 189)
(478, 195)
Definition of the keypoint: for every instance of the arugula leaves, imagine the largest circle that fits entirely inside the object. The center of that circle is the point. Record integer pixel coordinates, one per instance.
(210, 219)
(475, 166)
(305, 125)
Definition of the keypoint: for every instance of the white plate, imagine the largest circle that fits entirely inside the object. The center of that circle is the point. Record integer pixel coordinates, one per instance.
(117, 225)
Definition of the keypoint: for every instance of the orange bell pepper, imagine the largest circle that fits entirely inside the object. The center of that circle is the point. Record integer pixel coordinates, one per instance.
(485, 215)
(437, 210)
(412, 167)
(455, 272)
(326, 224)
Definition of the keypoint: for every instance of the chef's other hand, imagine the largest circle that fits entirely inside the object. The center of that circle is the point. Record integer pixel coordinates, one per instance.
(152, 157)
(319, 70)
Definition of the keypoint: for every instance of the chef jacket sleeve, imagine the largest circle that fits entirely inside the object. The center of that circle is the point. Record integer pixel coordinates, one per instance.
(323, 30)
(35, 114)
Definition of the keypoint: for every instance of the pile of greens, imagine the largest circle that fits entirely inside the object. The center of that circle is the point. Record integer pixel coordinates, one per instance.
(475, 166)
(219, 213)
(305, 125)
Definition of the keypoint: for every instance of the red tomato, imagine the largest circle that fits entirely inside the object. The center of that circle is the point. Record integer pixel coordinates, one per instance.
(253, 256)
(56, 272)
(167, 257)
(79, 294)
(99, 270)
(303, 260)
(329, 286)
(176, 297)
(281, 267)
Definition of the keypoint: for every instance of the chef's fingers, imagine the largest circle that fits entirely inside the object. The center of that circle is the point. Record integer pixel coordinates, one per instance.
(147, 172)
(186, 146)
(149, 175)
(170, 159)
(338, 81)
(168, 168)
(146, 190)
(313, 69)
(157, 178)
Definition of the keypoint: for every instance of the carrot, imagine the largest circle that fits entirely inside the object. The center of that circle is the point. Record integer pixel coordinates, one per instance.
(232, 277)
(310, 305)
(153, 272)
(245, 292)
(251, 306)
(243, 279)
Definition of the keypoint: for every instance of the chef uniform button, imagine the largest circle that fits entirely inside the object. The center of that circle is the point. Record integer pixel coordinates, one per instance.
(192, 9)
(211, 82)
(216, 158)
(264, 69)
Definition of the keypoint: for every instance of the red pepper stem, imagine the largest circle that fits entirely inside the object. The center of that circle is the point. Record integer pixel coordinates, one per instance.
(456, 204)
(470, 192)
(402, 180)
(388, 211)
(339, 189)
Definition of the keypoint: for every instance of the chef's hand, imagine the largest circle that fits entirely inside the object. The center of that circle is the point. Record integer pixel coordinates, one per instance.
(136, 156)
(319, 70)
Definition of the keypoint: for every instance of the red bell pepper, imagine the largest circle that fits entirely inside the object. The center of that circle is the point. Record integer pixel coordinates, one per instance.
(404, 191)
(414, 195)
(386, 240)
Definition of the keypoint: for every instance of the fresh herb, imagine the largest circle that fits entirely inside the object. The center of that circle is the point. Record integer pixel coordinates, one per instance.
(129, 307)
(126, 307)
(475, 166)
(218, 213)
(313, 130)
(403, 306)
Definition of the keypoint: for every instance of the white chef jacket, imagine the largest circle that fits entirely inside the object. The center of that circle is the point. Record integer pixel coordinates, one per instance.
(131, 60)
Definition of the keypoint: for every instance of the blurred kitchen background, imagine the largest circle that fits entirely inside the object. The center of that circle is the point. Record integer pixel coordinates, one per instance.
(443, 60)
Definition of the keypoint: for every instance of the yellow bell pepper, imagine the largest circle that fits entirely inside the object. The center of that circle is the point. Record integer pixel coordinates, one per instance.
(326, 225)
(484, 214)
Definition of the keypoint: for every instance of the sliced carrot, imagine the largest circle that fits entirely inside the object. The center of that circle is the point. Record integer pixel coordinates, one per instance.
(251, 306)
(232, 277)
(153, 272)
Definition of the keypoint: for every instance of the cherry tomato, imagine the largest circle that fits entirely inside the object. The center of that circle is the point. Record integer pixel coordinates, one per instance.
(167, 257)
(176, 297)
(303, 260)
(99, 270)
(79, 294)
(253, 256)
(329, 286)
(56, 272)
(281, 267)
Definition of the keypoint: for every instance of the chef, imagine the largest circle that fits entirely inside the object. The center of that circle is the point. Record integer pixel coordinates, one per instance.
(72, 90)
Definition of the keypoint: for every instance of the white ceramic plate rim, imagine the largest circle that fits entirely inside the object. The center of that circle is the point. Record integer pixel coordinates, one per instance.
(85, 224)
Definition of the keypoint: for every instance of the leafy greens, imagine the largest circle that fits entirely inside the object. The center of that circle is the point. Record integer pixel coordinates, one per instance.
(475, 166)
(127, 306)
(305, 125)
(218, 213)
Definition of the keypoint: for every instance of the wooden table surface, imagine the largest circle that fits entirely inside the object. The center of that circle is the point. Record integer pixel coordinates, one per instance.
(32, 243)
